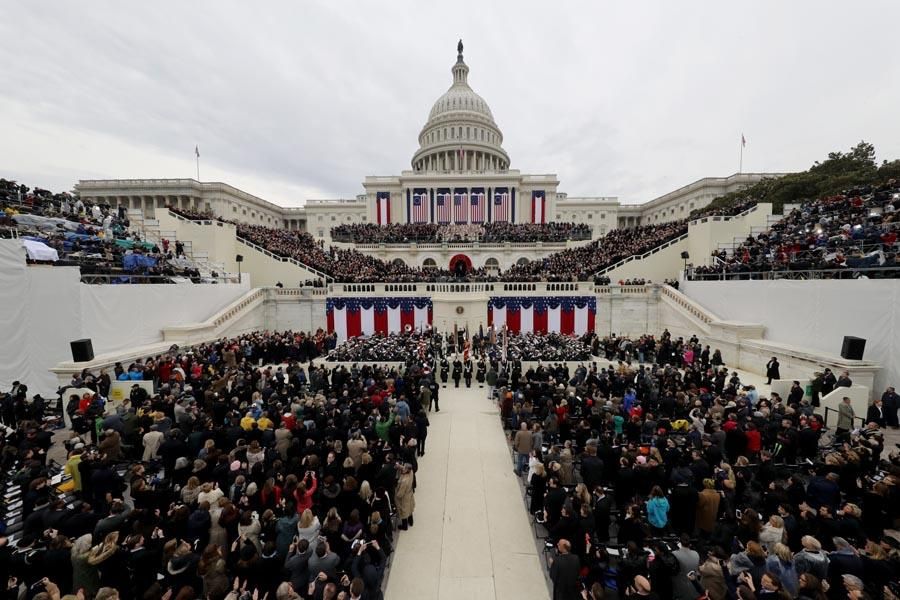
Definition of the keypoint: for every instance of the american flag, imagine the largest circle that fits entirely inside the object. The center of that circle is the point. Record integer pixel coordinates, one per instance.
(442, 207)
(459, 207)
(477, 207)
(501, 207)
(419, 212)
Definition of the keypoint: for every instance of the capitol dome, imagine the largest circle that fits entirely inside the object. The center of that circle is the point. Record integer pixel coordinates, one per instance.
(461, 134)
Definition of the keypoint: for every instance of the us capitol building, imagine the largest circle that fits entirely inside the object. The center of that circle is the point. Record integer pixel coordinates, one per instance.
(460, 174)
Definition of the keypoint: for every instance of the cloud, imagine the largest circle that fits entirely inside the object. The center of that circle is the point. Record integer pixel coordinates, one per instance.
(291, 101)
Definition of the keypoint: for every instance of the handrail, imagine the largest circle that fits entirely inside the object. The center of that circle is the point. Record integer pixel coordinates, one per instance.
(137, 279)
(289, 259)
(828, 409)
(695, 309)
(792, 274)
(653, 250)
(256, 247)
(724, 218)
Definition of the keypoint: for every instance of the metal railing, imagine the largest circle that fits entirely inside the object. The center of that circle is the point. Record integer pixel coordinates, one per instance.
(829, 410)
(129, 278)
(289, 259)
(799, 274)
(651, 252)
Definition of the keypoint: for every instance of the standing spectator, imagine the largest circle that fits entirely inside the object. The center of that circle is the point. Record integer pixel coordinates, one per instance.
(891, 402)
(658, 510)
(772, 370)
(688, 561)
(523, 443)
(707, 507)
(564, 573)
(405, 496)
(876, 413)
(846, 415)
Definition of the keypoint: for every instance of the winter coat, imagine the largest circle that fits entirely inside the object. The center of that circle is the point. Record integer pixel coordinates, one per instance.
(405, 495)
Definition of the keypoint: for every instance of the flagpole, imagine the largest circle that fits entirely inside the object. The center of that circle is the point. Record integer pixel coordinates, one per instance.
(198, 166)
(741, 164)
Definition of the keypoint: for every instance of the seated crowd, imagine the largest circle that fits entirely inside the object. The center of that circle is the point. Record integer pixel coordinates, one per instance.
(95, 237)
(428, 346)
(674, 479)
(248, 473)
(352, 266)
(404, 233)
(579, 264)
(853, 230)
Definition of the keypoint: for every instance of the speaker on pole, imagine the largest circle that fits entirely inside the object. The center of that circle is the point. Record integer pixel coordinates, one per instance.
(853, 347)
(82, 350)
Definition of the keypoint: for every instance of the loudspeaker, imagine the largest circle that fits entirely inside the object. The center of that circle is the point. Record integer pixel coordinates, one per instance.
(685, 255)
(82, 350)
(239, 258)
(853, 347)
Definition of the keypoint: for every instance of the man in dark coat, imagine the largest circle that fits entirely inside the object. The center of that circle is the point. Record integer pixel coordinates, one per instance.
(772, 370)
(564, 573)
(891, 402)
(829, 381)
(445, 371)
(467, 373)
(457, 372)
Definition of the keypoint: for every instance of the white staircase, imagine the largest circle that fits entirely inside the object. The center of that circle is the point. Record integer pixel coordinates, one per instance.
(150, 231)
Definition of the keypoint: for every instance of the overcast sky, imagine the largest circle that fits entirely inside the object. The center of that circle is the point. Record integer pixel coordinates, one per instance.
(297, 100)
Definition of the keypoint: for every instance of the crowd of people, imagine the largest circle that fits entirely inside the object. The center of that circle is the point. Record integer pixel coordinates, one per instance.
(404, 233)
(582, 263)
(248, 473)
(394, 347)
(61, 229)
(429, 346)
(352, 266)
(854, 230)
(669, 477)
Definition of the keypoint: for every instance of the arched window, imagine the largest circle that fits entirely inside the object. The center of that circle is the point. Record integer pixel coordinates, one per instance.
(398, 262)
(428, 264)
(492, 266)
(522, 261)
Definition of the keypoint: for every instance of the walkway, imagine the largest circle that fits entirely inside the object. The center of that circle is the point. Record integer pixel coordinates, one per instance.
(472, 538)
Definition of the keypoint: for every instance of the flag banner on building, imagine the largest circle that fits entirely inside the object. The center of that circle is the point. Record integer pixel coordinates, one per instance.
(383, 207)
(569, 315)
(500, 210)
(353, 317)
(538, 207)
(479, 206)
(419, 212)
(442, 207)
(460, 205)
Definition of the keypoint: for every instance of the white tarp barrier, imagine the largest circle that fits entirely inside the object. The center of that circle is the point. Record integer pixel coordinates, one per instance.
(815, 314)
(40, 251)
(44, 308)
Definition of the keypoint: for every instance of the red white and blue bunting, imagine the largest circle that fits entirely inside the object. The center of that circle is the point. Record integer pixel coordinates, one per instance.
(570, 315)
(352, 317)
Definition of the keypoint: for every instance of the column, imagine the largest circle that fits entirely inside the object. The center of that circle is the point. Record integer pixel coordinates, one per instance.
(468, 205)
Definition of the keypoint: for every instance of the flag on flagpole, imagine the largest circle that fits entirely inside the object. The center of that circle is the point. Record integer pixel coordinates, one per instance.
(420, 206)
(460, 205)
(505, 344)
(461, 158)
(197, 151)
(443, 209)
(743, 141)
